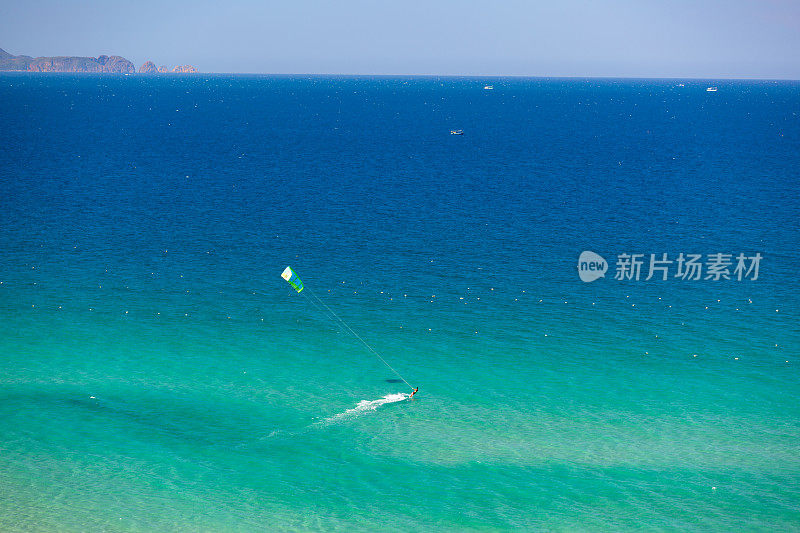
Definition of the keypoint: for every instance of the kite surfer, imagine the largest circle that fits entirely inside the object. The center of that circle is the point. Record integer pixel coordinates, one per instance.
(294, 280)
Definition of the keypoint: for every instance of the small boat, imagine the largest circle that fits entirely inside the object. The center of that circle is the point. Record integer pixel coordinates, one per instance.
(456, 132)
(488, 87)
(711, 90)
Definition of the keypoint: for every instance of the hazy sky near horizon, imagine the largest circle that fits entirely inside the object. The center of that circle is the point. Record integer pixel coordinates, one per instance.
(636, 38)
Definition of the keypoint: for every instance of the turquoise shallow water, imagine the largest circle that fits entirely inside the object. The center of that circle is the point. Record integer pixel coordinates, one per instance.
(159, 375)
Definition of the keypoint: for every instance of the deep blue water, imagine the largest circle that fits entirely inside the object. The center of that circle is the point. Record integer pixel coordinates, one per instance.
(158, 374)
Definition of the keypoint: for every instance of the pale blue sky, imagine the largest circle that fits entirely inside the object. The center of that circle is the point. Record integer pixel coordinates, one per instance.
(641, 38)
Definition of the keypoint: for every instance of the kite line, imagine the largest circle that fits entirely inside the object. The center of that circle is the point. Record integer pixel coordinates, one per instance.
(295, 281)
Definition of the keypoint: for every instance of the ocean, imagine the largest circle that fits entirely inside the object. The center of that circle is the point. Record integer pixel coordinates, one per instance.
(159, 375)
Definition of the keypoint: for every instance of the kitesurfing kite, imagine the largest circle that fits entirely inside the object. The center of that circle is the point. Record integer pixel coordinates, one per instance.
(293, 279)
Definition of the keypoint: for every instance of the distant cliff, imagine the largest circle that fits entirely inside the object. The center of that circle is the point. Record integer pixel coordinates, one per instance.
(9, 62)
(148, 68)
(65, 63)
(114, 64)
(184, 69)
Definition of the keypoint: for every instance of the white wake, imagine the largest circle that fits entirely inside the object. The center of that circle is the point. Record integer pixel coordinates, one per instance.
(366, 406)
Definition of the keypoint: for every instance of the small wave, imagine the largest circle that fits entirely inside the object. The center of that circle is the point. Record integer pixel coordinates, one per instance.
(365, 406)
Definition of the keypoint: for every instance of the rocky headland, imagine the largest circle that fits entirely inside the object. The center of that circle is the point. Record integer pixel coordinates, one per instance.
(103, 63)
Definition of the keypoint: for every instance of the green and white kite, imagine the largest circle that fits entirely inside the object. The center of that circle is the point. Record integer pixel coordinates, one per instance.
(293, 279)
